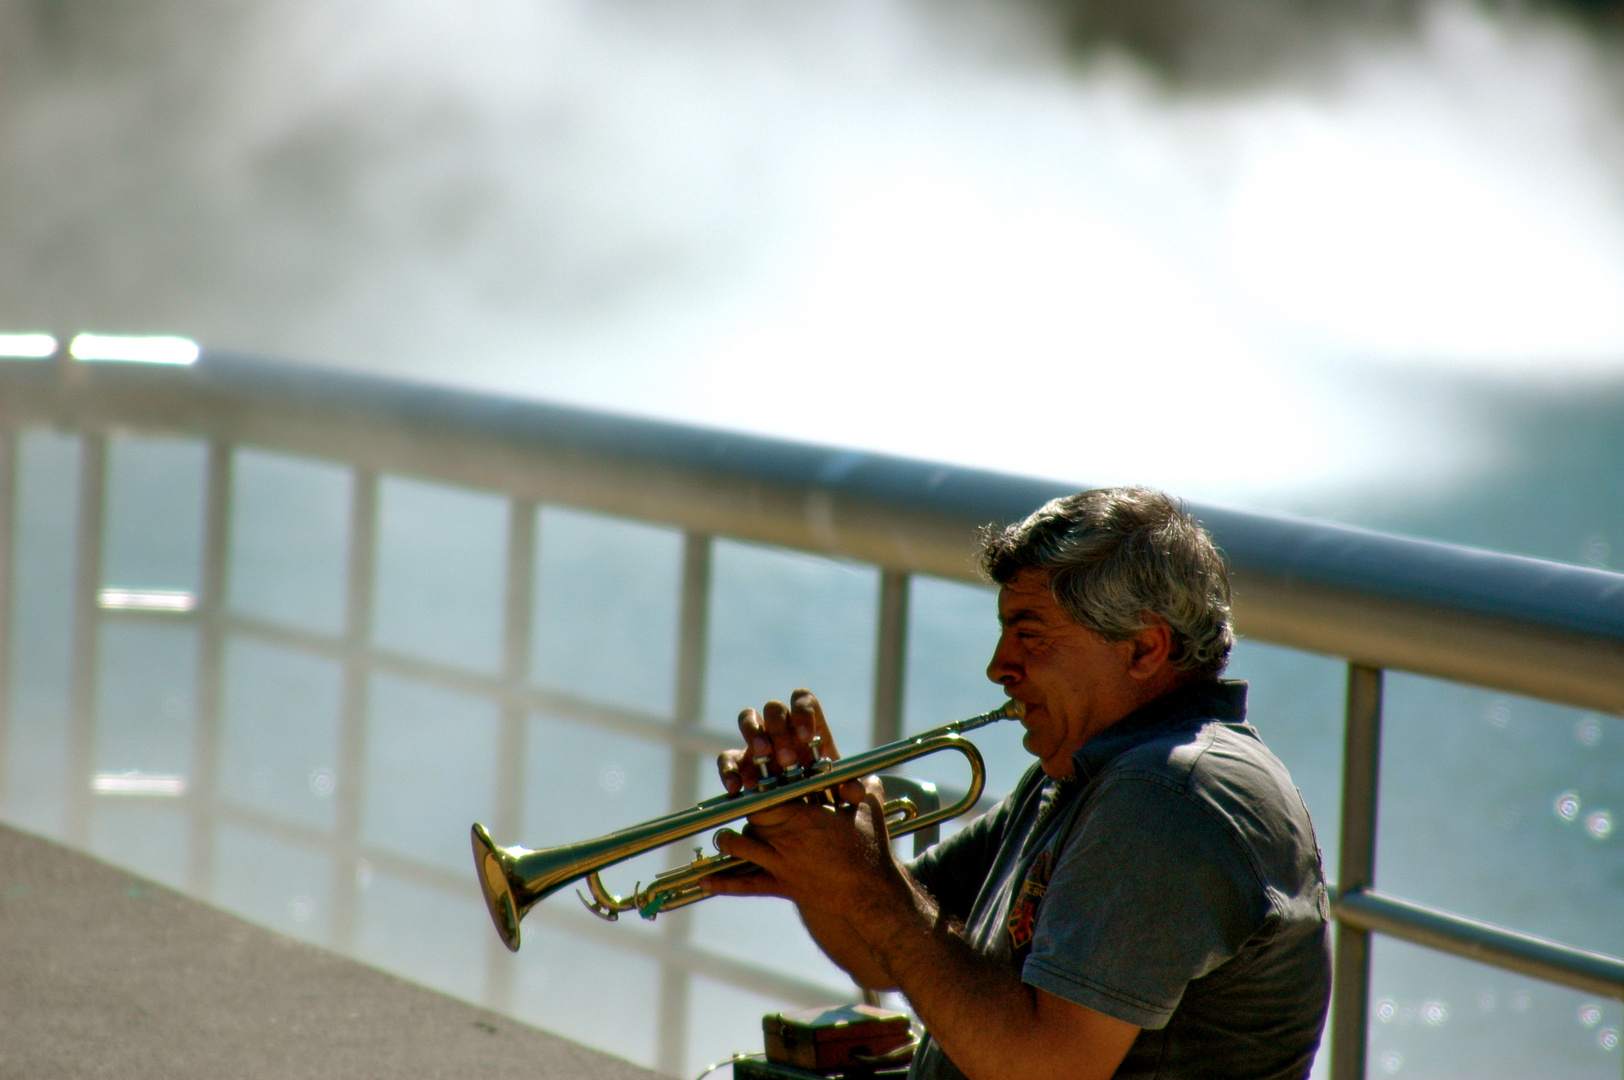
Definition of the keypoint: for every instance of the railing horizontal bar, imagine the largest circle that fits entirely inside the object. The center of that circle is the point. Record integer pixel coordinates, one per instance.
(1527, 955)
(534, 699)
(1523, 625)
(561, 915)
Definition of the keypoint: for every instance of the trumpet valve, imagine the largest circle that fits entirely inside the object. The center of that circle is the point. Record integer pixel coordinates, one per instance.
(765, 780)
(819, 762)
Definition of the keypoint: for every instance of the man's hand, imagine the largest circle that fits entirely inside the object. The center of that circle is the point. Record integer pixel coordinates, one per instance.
(779, 740)
(825, 858)
(792, 837)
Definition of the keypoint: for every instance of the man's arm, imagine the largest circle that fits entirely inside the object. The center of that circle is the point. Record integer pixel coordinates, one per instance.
(836, 864)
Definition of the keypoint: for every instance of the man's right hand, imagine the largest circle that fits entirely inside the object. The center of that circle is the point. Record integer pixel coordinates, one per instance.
(776, 740)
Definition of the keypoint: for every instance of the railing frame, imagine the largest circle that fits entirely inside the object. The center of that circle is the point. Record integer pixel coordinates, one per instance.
(1378, 602)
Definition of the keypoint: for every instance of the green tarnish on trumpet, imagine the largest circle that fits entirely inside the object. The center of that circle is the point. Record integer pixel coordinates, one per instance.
(515, 879)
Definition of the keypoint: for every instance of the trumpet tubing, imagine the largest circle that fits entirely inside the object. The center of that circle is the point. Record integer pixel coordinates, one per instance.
(515, 879)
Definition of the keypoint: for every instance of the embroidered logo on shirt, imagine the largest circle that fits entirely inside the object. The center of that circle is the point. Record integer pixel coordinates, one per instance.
(1023, 913)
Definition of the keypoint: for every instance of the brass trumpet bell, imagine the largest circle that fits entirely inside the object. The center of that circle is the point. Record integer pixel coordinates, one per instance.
(516, 879)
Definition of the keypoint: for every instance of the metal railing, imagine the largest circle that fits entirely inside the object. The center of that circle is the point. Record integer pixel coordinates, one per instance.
(1522, 625)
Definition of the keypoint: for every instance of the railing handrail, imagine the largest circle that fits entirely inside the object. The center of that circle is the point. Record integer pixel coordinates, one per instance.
(1472, 939)
(1522, 624)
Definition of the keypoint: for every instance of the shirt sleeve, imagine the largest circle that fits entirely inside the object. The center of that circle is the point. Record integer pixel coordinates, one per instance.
(954, 870)
(1150, 891)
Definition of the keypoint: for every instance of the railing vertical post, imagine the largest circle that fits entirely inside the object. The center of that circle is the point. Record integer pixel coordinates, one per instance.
(8, 546)
(693, 637)
(363, 543)
(517, 622)
(86, 629)
(1361, 780)
(890, 657)
(210, 651)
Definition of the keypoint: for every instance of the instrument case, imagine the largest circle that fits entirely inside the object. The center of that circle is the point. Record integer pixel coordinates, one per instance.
(834, 1039)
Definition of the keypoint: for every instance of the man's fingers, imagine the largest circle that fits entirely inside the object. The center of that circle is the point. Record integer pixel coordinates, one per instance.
(756, 883)
(852, 792)
(777, 738)
(806, 717)
(727, 767)
(758, 748)
(746, 847)
(787, 749)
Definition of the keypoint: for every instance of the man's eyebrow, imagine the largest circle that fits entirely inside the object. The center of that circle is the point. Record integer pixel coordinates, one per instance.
(1020, 615)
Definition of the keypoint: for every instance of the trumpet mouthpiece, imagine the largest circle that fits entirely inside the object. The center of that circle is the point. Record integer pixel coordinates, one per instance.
(1015, 710)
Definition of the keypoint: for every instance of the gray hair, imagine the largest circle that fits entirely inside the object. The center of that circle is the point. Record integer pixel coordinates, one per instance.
(1116, 555)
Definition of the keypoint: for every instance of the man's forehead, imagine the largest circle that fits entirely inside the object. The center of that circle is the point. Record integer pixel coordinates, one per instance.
(1027, 596)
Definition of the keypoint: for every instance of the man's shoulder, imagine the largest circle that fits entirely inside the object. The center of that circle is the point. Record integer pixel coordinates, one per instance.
(1201, 756)
(1224, 769)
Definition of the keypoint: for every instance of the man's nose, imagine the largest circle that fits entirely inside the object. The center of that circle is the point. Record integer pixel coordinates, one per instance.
(1003, 668)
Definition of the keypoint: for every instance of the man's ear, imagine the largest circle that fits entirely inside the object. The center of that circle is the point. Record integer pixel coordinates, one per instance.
(1152, 648)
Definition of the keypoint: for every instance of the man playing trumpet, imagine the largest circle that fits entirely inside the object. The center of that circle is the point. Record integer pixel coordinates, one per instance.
(1148, 901)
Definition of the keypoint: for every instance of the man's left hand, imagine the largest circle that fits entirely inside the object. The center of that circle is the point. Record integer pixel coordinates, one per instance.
(824, 858)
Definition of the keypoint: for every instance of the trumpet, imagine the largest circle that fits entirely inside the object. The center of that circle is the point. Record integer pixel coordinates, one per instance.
(516, 879)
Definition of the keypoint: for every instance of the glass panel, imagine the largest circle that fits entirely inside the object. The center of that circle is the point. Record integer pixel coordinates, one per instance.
(725, 1020)
(583, 782)
(430, 770)
(781, 620)
(154, 513)
(289, 540)
(952, 629)
(1296, 701)
(1435, 1015)
(596, 994)
(279, 731)
(1503, 809)
(143, 837)
(275, 884)
(423, 934)
(608, 593)
(146, 683)
(42, 600)
(441, 568)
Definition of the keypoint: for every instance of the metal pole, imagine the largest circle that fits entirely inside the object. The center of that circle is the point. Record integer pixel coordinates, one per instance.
(8, 528)
(353, 723)
(86, 627)
(517, 622)
(210, 651)
(890, 657)
(1361, 780)
(693, 629)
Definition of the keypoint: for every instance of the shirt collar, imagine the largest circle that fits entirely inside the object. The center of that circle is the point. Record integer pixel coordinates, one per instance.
(1205, 699)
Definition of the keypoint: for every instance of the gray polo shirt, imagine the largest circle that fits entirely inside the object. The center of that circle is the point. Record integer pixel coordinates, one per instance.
(1174, 883)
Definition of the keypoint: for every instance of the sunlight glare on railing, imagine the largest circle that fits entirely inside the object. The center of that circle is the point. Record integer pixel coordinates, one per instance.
(155, 349)
(135, 783)
(27, 346)
(175, 600)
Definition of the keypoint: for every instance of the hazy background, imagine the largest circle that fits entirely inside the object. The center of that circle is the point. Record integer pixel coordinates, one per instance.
(1362, 261)
(1349, 259)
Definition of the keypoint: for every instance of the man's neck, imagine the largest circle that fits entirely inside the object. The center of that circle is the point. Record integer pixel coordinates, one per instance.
(1148, 692)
